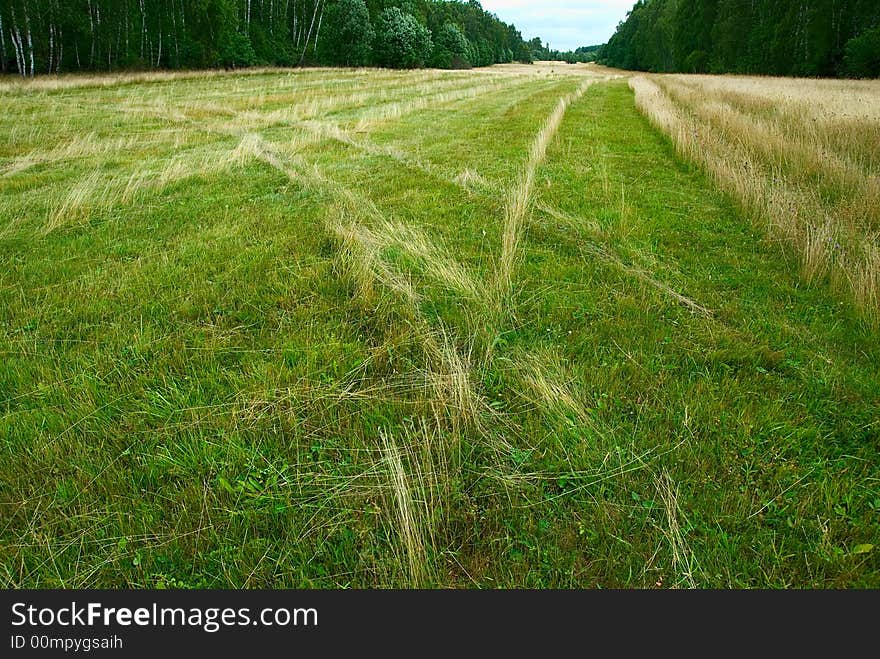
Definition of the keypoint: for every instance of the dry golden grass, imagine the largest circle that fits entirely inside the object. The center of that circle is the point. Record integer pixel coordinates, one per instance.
(426, 98)
(410, 513)
(547, 386)
(362, 262)
(449, 374)
(788, 152)
(800, 141)
(435, 260)
(841, 116)
(100, 190)
(80, 146)
(683, 563)
(470, 179)
(92, 190)
(78, 81)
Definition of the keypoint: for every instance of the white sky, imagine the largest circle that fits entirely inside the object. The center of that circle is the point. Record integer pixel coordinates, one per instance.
(565, 24)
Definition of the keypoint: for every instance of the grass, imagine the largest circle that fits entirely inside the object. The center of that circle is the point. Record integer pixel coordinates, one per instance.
(252, 337)
(802, 164)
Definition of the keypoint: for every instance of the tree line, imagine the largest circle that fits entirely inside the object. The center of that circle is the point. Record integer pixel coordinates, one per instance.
(580, 55)
(53, 36)
(826, 38)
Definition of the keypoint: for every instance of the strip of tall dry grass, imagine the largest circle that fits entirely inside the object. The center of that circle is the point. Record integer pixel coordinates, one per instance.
(835, 241)
(843, 116)
(796, 146)
(77, 81)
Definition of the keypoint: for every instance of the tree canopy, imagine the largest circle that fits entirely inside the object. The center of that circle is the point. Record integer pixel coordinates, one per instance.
(796, 38)
(348, 34)
(580, 55)
(49, 36)
(451, 48)
(862, 59)
(402, 42)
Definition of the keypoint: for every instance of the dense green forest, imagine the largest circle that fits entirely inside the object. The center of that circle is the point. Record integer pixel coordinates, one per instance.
(580, 55)
(50, 36)
(791, 38)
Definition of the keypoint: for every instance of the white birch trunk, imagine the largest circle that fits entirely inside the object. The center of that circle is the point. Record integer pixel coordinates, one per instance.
(16, 45)
(309, 35)
(92, 33)
(30, 41)
(22, 66)
(2, 47)
(318, 31)
(51, 45)
(143, 28)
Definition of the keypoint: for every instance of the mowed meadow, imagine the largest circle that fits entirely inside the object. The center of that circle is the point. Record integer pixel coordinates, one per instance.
(523, 326)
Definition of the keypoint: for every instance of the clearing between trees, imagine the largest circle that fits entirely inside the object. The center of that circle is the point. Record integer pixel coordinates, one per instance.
(523, 326)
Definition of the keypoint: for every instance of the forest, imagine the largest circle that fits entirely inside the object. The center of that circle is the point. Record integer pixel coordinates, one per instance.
(581, 55)
(824, 38)
(54, 36)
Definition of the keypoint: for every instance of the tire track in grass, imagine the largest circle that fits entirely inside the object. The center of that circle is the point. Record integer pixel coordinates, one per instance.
(454, 400)
(475, 184)
(472, 183)
(450, 372)
(540, 378)
(361, 250)
(519, 197)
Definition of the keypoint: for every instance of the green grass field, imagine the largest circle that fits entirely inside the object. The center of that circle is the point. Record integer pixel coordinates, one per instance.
(355, 328)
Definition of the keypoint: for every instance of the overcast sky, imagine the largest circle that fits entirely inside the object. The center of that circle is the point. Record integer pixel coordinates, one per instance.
(565, 24)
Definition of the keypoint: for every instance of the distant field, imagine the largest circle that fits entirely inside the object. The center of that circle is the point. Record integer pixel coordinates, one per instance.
(352, 328)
